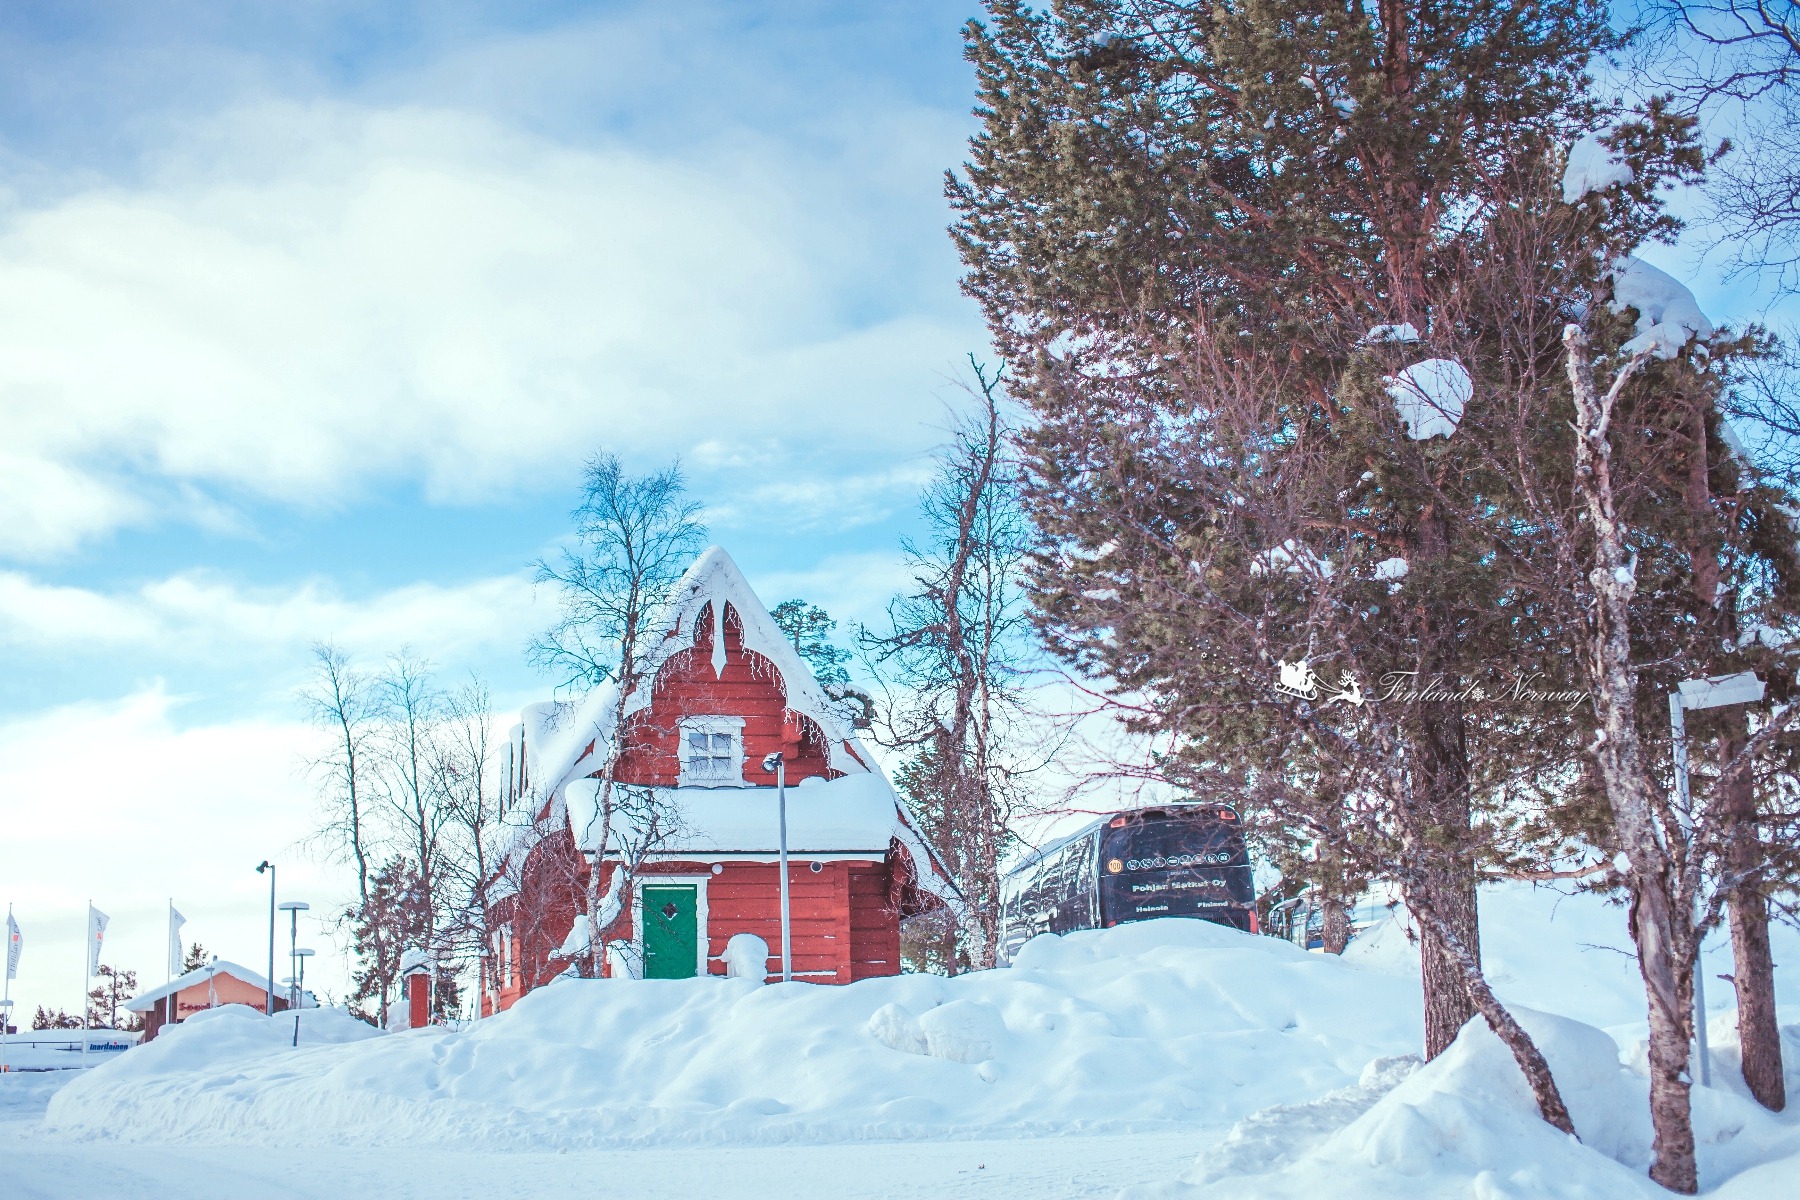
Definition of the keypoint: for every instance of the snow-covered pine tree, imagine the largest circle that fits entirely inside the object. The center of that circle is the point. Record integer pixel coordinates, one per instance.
(1214, 242)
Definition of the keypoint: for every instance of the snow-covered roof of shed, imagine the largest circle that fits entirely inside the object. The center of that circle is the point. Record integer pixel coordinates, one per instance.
(147, 1001)
(563, 733)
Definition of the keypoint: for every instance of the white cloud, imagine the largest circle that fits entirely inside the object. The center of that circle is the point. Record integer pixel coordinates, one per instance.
(200, 616)
(306, 301)
(108, 801)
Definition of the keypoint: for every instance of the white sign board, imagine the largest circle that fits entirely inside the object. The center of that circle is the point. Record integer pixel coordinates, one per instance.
(1718, 690)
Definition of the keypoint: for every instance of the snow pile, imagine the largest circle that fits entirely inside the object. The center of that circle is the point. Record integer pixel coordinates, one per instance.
(1466, 1125)
(1592, 168)
(1278, 1136)
(746, 957)
(1160, 1025)
(1404, 332)
(1430, 397)
(1668, 314)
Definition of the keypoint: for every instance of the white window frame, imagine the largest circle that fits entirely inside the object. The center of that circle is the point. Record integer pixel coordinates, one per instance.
(701, 916)
(734, 726)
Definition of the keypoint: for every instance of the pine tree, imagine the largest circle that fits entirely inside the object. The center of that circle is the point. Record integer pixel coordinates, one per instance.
(809, 627)
(197, 957)
(114, 988)
(1182, 223)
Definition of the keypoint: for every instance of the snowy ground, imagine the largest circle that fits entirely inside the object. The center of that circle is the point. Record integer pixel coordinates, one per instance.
(1165, 1059)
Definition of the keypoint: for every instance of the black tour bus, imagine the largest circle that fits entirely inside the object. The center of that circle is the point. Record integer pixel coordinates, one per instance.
(1176, 860)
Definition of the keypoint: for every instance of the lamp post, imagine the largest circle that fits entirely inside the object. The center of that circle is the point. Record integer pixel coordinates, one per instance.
(1714, 692)
(293, 908)
(774, 763)
(270, 868)
(300, 988)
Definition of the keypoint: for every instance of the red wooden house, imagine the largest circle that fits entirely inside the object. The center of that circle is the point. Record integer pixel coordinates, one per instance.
(723, 688)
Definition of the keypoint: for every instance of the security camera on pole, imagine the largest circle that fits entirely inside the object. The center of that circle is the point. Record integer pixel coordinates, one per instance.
(1742, 688)
(773, 762)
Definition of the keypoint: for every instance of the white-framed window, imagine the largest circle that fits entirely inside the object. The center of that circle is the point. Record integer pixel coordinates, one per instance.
(712, 752)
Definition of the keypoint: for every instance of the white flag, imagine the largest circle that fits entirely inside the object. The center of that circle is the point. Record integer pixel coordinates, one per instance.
(176, 921)
(13, 944)
(96, 936)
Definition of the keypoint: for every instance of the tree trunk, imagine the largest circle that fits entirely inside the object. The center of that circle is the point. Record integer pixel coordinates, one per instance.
(1336, 932)
(1449, 874)
(1619, 754)
(1753, 966)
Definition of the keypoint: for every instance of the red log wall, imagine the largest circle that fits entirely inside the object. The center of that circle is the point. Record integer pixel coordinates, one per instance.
(749, 687)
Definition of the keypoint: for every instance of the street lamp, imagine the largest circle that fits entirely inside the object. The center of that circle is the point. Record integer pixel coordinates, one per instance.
(1714, 692)
(293, 908)
(773, 762)
(300, 987)
(270, 868)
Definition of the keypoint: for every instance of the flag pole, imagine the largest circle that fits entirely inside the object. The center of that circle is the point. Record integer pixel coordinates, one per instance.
(6, 1009)
(87, 961)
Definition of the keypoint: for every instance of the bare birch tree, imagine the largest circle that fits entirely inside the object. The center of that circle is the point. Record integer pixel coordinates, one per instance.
(953, 659)
(340, 702)
(636, 535)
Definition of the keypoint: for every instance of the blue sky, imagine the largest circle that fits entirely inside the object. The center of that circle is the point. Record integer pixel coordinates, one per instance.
(309, 316)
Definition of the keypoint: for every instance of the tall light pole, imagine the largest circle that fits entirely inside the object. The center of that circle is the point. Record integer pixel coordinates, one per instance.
(293, 908)
(270, 868)
(1716, 692)
(773, 762)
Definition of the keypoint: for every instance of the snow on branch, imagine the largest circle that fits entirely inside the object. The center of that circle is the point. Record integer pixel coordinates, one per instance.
(1430, 397)
(1668, 314)
(1592, 167)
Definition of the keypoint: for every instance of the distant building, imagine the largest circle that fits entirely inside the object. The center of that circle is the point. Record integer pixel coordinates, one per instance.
(724, 688)
(209, 987)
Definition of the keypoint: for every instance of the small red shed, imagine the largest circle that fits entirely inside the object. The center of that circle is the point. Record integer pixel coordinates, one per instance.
(723, 688)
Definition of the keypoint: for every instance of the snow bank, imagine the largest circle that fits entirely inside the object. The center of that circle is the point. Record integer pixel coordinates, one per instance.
(1161, 1025)
(1430, 397)
(1592, 168)
(1668, 314)
(1570, 954)
(1466, 1125)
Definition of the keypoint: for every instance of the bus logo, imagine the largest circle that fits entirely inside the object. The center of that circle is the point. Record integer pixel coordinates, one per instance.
(1114, 866)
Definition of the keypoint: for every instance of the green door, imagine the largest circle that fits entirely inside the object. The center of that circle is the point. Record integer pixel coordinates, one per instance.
(671, 931)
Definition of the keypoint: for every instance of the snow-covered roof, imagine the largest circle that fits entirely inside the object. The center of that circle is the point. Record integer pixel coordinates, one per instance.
(845, 815)
(147, 1001)
(565, 741)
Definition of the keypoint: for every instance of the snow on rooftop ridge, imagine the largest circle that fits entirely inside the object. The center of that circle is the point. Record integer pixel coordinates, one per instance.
(1592, 167)
(1668, 314)
(713, 582)
(1430, 397)
(147, 1000)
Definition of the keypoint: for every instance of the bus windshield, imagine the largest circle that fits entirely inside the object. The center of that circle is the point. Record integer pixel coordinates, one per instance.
(1177, 866)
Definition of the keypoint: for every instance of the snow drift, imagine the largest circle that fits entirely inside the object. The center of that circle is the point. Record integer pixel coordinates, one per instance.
(1466, 1125)
(1160, 1025)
